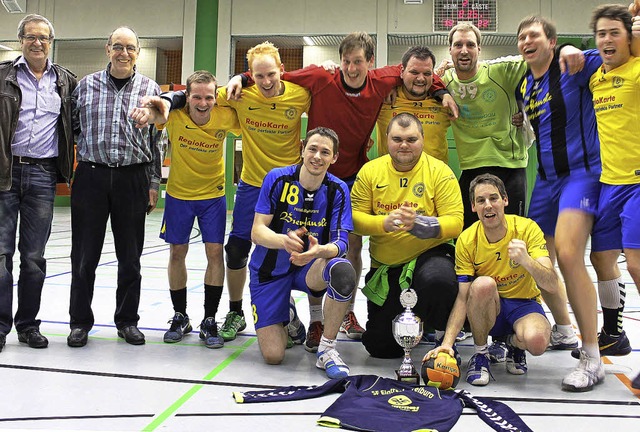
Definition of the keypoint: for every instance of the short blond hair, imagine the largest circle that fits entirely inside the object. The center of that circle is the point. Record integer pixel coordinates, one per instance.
(264, 49)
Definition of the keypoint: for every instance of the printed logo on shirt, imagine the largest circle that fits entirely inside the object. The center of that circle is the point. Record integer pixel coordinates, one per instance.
(402, 403)
(418, 190)
(617, 82)
(253, 108)
(291, 113)
(189, 127)
(381, 186)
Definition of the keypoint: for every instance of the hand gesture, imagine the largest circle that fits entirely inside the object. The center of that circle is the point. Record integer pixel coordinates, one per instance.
(450, 104)
(330, 66)
(234, 88)
(518, 251)
(571, 59)
(304, 258)
(293, 240)
(401, 219)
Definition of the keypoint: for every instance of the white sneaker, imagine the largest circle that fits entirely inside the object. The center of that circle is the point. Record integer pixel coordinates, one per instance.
(589, 372)
(560, 341)
(330, 361)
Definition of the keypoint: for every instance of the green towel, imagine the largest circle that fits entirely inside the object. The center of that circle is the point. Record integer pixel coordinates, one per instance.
(377, 289)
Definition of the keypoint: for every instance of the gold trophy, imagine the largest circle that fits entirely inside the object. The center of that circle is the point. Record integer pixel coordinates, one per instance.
(407, 331)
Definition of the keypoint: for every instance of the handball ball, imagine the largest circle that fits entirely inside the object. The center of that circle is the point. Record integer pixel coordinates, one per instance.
(441, 371)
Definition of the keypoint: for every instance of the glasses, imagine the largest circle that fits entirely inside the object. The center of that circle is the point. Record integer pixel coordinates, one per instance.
(120, 48)
(42, 39)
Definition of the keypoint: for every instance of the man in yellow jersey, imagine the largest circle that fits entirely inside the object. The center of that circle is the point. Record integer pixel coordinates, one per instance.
(412, 96)
(409, 203)
(195, 189)
(269, 114)
(615, 87)
(502, 262)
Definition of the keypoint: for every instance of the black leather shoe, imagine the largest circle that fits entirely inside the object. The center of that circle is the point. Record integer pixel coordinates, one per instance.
(77, 338)
(33, 338)
(3, 340)
(132, 335)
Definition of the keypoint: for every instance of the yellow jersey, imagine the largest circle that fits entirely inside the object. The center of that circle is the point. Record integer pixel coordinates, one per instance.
(433, 116)
(430, 188)
(270, 128)
(475, 256)
(616, 100)
(197, 163)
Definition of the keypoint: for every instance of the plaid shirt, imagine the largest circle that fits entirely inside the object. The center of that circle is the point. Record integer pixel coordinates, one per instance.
(104, 132)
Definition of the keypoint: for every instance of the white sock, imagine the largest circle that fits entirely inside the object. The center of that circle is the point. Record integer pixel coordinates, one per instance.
(439, 334)
(326, 344)
(565, 329)
(315, 311)
(481, 349)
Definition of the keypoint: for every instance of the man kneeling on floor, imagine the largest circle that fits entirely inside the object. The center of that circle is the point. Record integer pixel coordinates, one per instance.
(502, 262)
(301, 227)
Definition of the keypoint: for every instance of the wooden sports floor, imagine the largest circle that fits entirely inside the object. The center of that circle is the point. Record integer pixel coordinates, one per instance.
(112, 386)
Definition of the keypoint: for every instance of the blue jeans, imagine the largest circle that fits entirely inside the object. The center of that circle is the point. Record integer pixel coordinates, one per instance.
(33, 189)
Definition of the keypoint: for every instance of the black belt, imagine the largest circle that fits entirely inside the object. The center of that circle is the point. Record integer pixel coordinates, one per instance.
(25, 160)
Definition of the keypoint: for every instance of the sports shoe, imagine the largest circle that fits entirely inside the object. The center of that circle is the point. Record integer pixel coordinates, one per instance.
(589, 372)
(609, 345)
(498, 351)
(560, 341)
(478, 372)
(438, 342)
(233, 323)
(179, 326)
(463, 335)
(209, 334)
(351, 327)
(314, 334)
(296, 330)
(330, 361)
(636, 382)
(516, 361)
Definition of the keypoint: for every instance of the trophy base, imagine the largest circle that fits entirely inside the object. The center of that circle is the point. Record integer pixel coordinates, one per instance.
(413, 378)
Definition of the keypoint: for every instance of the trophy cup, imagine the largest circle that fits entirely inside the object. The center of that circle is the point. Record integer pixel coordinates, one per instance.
(407, 331)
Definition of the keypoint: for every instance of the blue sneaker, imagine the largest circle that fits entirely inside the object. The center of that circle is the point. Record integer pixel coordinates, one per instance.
(180, 326)
(295, 328)
(516, 361)
(209, 334)
(438, 342)
(636, 382)
(498, 351)
(332, 363)
(478, 372)
(609, 345)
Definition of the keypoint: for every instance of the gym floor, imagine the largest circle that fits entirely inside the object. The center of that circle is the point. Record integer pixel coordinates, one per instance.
(110, 385)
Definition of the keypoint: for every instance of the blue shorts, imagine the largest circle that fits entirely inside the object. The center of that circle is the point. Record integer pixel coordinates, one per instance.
(616, 226)
(511, 310)
(179, 216)
(550, 197)
(244, 210)
(270, 300)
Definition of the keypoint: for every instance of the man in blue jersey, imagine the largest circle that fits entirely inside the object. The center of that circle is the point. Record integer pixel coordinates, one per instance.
(301, 230)
(565, 197)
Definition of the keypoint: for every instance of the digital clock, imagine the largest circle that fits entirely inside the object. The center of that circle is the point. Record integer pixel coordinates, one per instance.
(448, 13)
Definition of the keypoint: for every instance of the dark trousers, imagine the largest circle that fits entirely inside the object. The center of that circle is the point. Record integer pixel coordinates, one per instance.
(515, 182)
(99, 193)
(436, 285)
(33, 190)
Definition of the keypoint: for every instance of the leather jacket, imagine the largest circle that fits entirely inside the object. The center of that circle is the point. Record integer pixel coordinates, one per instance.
(10, 100)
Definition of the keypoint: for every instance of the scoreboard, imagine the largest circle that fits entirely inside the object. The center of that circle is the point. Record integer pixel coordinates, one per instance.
(448, 13)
